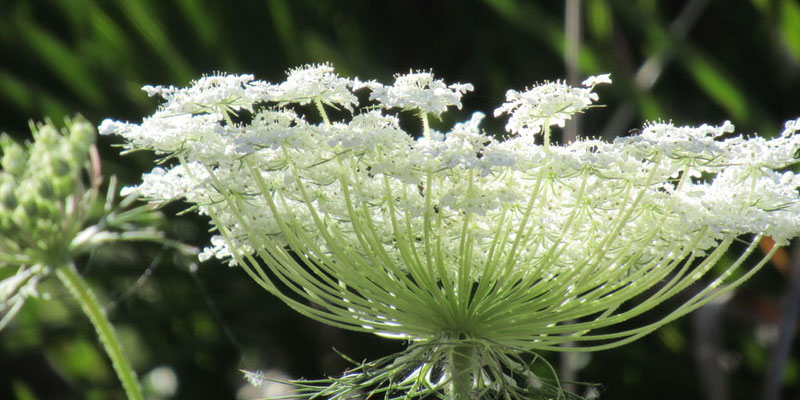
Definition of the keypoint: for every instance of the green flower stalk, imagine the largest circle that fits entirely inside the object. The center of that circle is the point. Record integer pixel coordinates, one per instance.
(46, 222)
(476, 249)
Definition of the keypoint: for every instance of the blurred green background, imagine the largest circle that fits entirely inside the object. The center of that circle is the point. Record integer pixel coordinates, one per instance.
(189, 329)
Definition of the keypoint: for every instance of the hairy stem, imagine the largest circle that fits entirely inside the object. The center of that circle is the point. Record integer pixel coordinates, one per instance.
(426, 129)
(462, 367)
(322, 112)
(80, 290)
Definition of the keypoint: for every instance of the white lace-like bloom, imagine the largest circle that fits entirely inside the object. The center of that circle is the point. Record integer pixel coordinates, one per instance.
(315, 82)
(418, 91)
(458, 235)
(215, 94)
(547, 104)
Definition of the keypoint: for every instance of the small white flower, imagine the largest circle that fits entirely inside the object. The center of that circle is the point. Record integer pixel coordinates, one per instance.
(790, 127)
(418, 91)
(597, 80)
(367, 131)
(218, 249)
(544, 105)
(109, 126)
(153, 90)
(217, 95)
(272, 129)
(315, 82)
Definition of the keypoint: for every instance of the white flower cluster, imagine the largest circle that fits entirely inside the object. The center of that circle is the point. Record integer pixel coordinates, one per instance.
(315, 83)
(215, 94)
(547, 104)
(415, 237)
(418, 91)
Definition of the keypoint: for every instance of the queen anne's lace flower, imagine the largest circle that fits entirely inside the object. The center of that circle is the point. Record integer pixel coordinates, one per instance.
(458, 235)
(547, 104)
(214, 94)
(418, 91)
(315, 82)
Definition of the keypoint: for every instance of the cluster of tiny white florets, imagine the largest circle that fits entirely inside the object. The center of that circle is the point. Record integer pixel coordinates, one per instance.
(418, 91)
(547, 104)
(216, 95)
(395, 225)
(315, 82)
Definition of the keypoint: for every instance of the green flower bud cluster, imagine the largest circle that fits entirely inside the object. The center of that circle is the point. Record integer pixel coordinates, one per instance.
(47, 189)
(51, 207)
(41, 184)
(44, 204)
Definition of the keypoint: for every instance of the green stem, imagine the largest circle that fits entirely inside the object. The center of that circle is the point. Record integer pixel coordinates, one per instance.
(80, 290)
(462, 368)
(547, 135)
(426, 129)
(322, 112)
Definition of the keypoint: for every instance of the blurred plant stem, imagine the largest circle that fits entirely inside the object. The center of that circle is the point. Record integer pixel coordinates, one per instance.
(572, 34)
(80, 290)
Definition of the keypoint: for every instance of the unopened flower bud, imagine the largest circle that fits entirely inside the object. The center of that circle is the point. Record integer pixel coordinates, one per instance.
(81, 137)
(7, 197)
(46, 189)
(31, 208)
(14, 157)
(46, 135)
(81, 131)
(59, 166)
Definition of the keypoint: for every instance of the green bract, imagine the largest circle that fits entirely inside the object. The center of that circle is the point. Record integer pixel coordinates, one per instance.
(473, 247)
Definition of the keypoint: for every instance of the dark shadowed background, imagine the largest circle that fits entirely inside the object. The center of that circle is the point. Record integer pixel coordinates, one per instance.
(691, 62)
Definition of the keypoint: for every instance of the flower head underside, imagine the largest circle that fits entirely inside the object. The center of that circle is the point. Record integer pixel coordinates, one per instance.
(358, 224)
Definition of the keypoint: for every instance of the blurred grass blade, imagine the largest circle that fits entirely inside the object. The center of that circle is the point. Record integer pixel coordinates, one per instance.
(284, 28)
(599, 19)
(29, 99)
(17, 92)
(62, 61)
(719, 87)
(206, 26)
(790, 27)
(151, 31)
